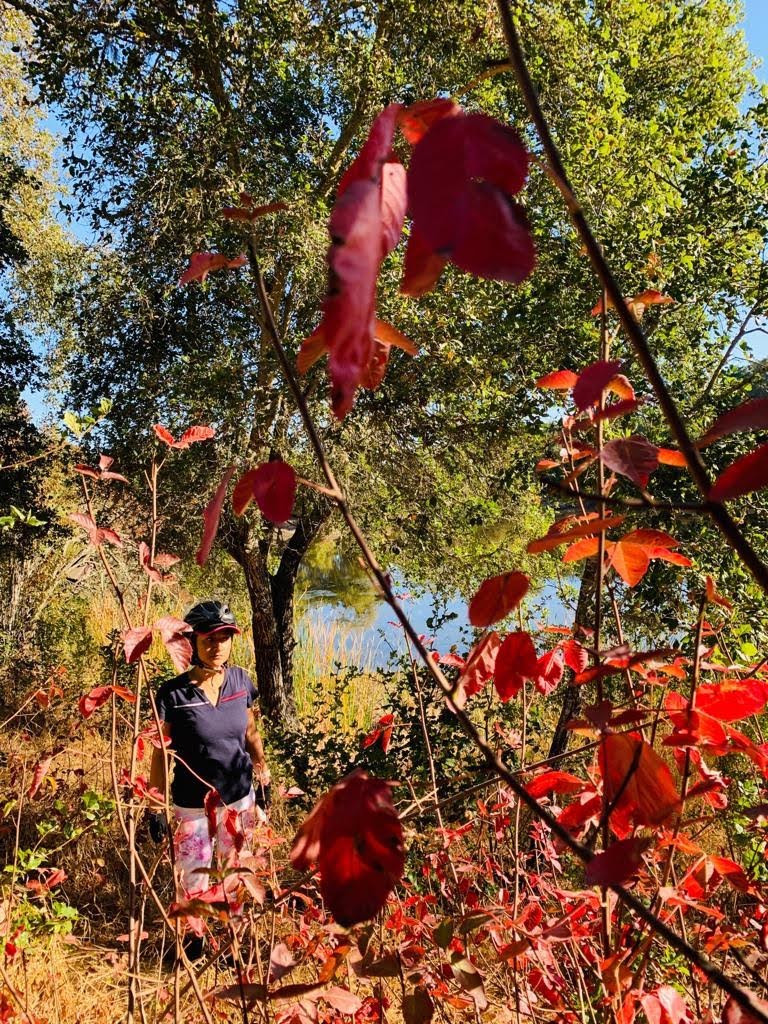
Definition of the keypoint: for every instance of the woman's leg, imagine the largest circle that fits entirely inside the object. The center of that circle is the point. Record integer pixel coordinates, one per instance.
(193, 849)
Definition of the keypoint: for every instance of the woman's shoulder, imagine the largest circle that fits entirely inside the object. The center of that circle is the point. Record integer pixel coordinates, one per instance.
(170, 687)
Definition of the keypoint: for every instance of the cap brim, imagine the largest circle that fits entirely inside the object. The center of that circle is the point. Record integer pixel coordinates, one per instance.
(232, 630)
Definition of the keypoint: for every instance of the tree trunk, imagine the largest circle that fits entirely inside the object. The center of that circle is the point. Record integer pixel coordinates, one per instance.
(272, 608)
(571, 705)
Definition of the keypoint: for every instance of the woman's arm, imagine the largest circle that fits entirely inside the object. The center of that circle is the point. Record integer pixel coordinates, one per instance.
(255, 748)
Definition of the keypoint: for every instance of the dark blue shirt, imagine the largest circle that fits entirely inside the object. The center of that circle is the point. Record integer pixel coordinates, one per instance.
(209, 739)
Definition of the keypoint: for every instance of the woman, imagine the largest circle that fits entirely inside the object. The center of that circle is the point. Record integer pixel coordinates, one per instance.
(216, 751)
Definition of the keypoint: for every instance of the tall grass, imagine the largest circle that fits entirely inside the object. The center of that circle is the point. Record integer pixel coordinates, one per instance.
(334, 667)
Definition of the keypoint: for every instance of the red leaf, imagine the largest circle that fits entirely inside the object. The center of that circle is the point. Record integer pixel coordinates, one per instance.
(414, 121)
(87, 471)
(109, 535)
(169, 626)
(393, 203)
(423, 266)
(733, 1013)
(649, 797)
(751, 415)
(478, 669)
(179, 650)
(671, 457)
(202, 263)
(83, 520)
(211, 517)
(192, 434)
(145, 560)
(558, 380)
(714, 597)
(749, 473)
(733, 699)
(356, 839)
(516, 662)
(496, 598)
(39, 773)
(576, 656)
(618, 863)
(633, 457)
(163, 433)
(549, 671)
(462, 176)
(561, 531)
(272, 485)
(342, 1000)
(593, 381)
(136, 642)
(166, 560)
(365, 223)
(89, 702)
(554, 782)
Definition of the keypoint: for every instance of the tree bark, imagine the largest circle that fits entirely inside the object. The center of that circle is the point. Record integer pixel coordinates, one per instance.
(571, 705)
(272, 609)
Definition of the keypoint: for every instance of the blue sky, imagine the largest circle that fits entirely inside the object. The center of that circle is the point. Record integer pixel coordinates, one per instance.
(756, 31)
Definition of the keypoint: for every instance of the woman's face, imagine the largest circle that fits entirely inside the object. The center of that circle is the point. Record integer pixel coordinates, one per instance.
(214, 650)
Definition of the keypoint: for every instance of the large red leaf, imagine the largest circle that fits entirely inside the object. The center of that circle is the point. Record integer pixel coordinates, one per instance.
(576, 656)
(211, 517)
(732, 699)
(355, 837)
(563, 531)
(549, 671)
(38, 775)
(633, 457)
(618, 863)
(516, 662)
(751, 415)
(272, 485)
(747, 474)
(460, 182)
(365, 224)
(630, 766)
(593, 381)
(497, 597)
(163, 433)
(99, 695)
(637, 303)
(202, 263)
(192, 434)
(136, 642)
(174, 633)
(414, 121)
(554, 782)
(477, 669)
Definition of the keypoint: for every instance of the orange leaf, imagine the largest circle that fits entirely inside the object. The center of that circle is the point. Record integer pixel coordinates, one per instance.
(558, 380)
(554, 536)
(630, 766)
(714, 597)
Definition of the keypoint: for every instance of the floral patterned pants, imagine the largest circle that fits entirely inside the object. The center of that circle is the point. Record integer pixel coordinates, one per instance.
(223, 829)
